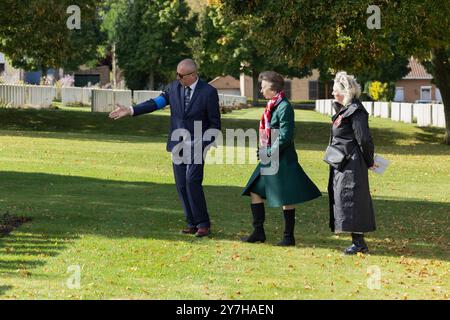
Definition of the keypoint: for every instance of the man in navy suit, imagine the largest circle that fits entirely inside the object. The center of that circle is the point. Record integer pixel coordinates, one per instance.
(193, 103)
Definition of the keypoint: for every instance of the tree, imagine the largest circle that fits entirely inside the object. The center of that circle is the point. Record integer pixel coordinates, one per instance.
(337, 33)
(110, 12)
(424, 30)
(214, 48)
(35, 35)
(151, 38)
(230, 44)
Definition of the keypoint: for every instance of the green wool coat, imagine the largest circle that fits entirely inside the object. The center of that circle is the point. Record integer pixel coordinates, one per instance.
(290, 185)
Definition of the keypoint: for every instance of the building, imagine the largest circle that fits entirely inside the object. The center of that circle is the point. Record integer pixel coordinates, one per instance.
(85, 76)
(8, 72)
(227, 85)
(416, 85)
(308, 88)
(2, 62)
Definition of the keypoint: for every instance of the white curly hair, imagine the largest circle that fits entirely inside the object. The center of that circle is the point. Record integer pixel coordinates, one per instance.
(347, 86)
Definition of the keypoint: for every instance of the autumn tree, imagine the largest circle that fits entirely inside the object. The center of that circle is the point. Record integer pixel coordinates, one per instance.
(233, 45)
(339, 35)
(35, 34)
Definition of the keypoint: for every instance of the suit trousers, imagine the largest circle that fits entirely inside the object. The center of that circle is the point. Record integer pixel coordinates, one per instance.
(188, 180)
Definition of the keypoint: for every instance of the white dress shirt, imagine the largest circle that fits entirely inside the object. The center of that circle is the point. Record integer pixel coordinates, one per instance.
(192, 86)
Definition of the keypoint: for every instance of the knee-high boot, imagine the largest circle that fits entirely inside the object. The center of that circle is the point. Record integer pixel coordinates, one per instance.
(259, 216)
(289, 223)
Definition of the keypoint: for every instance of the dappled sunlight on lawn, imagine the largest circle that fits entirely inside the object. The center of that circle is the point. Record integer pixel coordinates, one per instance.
(102, 196)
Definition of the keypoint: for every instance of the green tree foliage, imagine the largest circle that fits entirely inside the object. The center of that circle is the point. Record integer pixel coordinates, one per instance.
(231, 44)
(110, 12)
(151, 38)
(215, 47)
(335, 34)
(34, 34)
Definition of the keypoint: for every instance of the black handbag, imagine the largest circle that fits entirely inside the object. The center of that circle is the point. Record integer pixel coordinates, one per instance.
(335, 157)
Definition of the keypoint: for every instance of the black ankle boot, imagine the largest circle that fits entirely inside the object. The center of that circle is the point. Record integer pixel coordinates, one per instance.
(259, 216)
(358, 244)
(289, 223)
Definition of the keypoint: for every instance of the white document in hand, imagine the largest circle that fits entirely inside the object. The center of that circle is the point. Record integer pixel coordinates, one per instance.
(382, 164)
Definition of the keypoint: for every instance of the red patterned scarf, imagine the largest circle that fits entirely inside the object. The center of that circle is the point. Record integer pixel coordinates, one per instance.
(264, 126)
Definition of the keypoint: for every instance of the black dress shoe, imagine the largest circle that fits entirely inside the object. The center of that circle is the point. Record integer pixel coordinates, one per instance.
(354, 249)
(358, 245)
(189, 230)
(256, 236)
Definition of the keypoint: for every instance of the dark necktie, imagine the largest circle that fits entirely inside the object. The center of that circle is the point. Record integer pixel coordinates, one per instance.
(187, 97)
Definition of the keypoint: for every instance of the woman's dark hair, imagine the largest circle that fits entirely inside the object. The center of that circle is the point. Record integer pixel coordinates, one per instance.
(275, 79)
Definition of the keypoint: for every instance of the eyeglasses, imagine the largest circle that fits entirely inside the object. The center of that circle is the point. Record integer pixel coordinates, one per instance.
(181, 76)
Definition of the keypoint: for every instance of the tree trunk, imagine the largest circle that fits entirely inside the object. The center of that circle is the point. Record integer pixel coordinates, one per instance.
(57, 74)
(151, 81)
(114, 67)
(255, 78)
(441, 70)
(43, 75)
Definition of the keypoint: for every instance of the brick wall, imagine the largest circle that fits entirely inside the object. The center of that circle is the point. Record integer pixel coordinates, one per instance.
(299, 87)
(411, 88)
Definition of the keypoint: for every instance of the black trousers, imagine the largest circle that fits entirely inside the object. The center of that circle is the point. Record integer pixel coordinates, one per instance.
(188, 180)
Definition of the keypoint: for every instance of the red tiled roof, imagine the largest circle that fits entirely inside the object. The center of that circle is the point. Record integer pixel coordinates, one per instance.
(226, 82)
(418, 71)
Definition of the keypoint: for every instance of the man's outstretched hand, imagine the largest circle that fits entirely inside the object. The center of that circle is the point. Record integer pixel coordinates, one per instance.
(120, 112)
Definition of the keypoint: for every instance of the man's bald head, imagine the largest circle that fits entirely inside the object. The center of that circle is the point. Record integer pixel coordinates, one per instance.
(188, 65)
(187, 72)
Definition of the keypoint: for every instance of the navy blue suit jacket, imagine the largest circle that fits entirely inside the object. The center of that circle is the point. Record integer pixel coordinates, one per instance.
(204, 107)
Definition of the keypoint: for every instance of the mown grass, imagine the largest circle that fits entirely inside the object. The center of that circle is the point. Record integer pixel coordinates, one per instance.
(101, 196)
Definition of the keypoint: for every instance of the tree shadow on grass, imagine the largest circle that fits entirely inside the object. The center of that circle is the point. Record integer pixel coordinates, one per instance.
(65, 207)
(405, 227)
(153, 128)
(3, 289)
(35, 247)
(430, 134)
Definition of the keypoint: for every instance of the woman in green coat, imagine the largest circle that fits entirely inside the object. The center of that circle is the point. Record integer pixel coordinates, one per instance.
(281, 183)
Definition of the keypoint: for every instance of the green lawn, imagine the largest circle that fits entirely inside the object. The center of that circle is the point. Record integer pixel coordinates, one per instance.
(102, 197)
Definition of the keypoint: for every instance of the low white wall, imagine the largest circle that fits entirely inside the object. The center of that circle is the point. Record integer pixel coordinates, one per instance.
(406, 112)
(423, 115)
(426, 114)
(74, 95)
(140, 96)
(27, 95)
(105, 100)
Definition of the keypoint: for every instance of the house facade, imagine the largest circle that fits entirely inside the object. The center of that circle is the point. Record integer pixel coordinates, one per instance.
(91, 76)
(2, 63)
(308, 88)
(417, 85)
(227, 85)
(83, 77)
(8, 72)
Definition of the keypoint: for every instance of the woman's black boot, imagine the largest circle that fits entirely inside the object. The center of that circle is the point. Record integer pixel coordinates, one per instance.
(259, 216)
(289, 223)
(358, 244)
